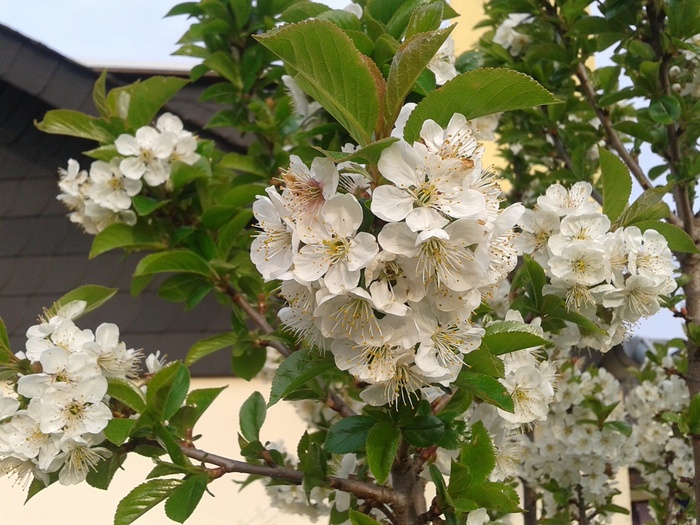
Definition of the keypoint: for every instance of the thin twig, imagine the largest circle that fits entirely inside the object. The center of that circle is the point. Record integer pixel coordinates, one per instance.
(361, 489)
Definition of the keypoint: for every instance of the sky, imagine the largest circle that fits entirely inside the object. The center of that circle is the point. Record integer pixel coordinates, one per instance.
(134, 33)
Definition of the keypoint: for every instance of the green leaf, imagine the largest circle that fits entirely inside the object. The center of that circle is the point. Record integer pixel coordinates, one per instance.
(382, 444)
(649, 206)
(482, 361)
(409, 62)
(303, 10)
(478, 454)
(143, 498)
(678, 240)
(101, 476)
(536, 280)
(170, 444)
(99, 94)
(694, 415)
(486, 388)
(300, 367)
(223, 64)
(252, 416)
(248, 363)
(75, 124)
(181, 173)
(6, 354)
(117, 430)
(423, 430)
(208, 346)
(328, 67)
(93, 294)
(349, 434)
(126, 392)
(369, 154)
(145, 205)
(504, 337)
(173, 261)
(357, 518)
(617, 184)
(185, 498)
(242, 163)
(475, 94)
(139, 102)
(665, 110)
(426, 17)
(167, 389)
(120, 235)
(314, 467)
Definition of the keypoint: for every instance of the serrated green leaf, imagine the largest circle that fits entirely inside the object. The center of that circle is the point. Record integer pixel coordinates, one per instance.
(665, 110)
(369, 154)
(617, 184)
(508, 336)
(6, 354)
(649, 206)
(349, 434)
(382, 444)
(198, 401)
(424, 18)
(223, 64)
(94, 296)
(181, 173)
(357, 518)
(117, 430)
(208, 346)
(409, 62)
(126, 392)
(139, 102)
(296, 370)
(248, 359)
(101, 476)
(173, 261)
(35, 487)
(143, 498)
(536, 280)
(252, 416)
(475, 94)
(167, 389)
(482, 361)
(328, 67)
(302, 11)
(314, 467)
(145, 205)
(486, 388)
(99, 94)
(423, 430)
(75, 124)
(120, 235)
(678, 240)
(185, 498)
(478, 454)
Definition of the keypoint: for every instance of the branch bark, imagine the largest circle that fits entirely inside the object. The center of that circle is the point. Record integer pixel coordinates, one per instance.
(361, 489)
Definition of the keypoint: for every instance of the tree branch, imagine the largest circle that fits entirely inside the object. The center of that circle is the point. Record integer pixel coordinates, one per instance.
(361, 489)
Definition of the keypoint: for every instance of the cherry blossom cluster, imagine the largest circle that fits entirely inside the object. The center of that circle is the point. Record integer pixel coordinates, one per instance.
(103, 194)
(665, 457)
(508, 37)
(54, 423)
(573, 451)
(614, 278)
(386, 276)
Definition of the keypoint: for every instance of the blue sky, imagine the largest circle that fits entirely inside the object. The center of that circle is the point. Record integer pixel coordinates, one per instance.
(134, 33)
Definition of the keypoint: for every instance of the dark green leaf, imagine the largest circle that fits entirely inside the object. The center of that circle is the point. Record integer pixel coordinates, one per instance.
(349, 434)
(120, 235)
(649, 206)
(475, 94)
(314, 467)
(252, 416)
(99, 94)
(173, 261)
(665, 110)
(126, 392)
(423, 430)
(426, 17)
(382, 444)
(117, 430)
(296, 370)
(483, 362)
(478, 454)
(6, 354)
(328, 67)
(617, 184)
(101, 477)
(249, 361)
(145, 205)
(75, 124)
(185, 498)
(208, 346)
(93, 294)
(242, 163)
(143, 498)
(486, 388)
(694, 415)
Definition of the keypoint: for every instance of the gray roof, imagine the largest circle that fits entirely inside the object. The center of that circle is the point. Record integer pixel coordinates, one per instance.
(43, 255)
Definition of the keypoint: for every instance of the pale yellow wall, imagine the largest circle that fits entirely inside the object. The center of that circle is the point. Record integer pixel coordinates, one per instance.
(84, 505)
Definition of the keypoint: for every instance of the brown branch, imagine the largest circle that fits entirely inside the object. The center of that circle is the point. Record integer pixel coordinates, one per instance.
(363, 490)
